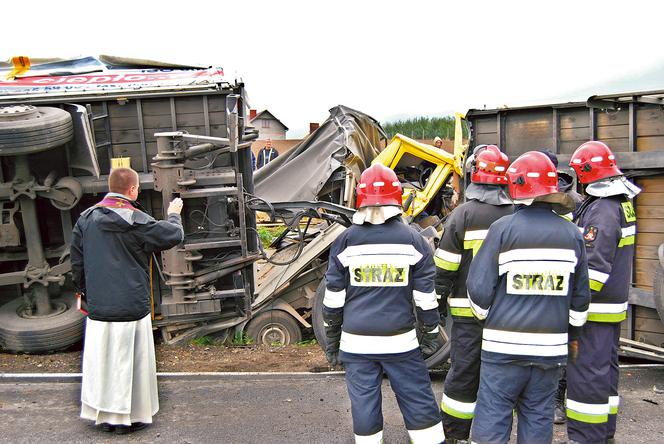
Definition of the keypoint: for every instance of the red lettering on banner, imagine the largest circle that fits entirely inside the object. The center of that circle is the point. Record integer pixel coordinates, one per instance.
(112, 78)
(101, 79)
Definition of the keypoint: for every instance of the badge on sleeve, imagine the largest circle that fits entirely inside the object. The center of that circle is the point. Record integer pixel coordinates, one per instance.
(590, 234)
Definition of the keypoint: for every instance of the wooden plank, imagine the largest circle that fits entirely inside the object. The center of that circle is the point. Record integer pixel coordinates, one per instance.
(643, 282)
(609, 118)
(646, 252)
(650, 199)
(131, 150)
(164, 121)
(630, 161)
(125, 136)
(525, 132)
(646, 266)
(488, 139)
(569, 146)
(485, 125)
(574, 119)
(217, 103)
(645, 225)
(650, 143)
(651, 184)
(576, 134)
(649, 239)
(649, 212)
(649, 325)
(656, 339)
(616, 144)
(650, 122)
(117, 110)
(646, 313)
(612, 132)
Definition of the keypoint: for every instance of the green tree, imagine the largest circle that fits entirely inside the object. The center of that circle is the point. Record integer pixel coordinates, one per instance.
(424, 127)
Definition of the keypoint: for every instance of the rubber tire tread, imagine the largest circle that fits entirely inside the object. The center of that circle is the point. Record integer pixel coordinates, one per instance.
(59, 133)
(49, 117)
(48, 142)
(262, 319)
(40, 335)
(33, 132)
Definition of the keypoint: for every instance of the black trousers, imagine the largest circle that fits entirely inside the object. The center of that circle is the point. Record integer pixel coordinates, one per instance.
(463, 379)
(592, 385)
(411, 384)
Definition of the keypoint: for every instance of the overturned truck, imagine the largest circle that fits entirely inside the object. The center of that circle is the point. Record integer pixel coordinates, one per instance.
(63, 126)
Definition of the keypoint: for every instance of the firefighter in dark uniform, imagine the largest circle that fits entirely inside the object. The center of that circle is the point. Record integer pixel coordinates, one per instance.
(607, 220)
(529, 283)
(463, 234)
(566, 185)
(380, 273)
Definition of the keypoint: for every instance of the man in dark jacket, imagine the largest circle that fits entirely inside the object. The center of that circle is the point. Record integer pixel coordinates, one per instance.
(463, 235)
(381, 273)
(112, 246)
(266, 154)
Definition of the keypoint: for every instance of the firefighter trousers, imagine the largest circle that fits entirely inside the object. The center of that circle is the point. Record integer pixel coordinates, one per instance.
(463, 379)
(506, 387)
(592, 384)
(409, 379)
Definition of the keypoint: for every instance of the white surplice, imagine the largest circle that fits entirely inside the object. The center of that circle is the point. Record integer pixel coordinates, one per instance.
(119, 372)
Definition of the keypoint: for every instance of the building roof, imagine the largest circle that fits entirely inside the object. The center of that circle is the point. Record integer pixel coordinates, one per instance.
(265, 114)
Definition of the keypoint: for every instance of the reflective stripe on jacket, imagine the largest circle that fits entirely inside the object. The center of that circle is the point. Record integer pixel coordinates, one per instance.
(377, 275)
(463, 234)
(529, 282)
(608, 225)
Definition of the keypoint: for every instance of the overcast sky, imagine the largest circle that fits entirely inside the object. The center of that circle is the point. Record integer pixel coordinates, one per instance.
(390, 59)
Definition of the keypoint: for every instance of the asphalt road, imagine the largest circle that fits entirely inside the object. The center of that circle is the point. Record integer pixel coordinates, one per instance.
(265, 409)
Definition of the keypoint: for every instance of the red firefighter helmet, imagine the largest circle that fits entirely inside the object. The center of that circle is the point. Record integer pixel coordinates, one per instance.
(378, 186)
(532, 175)
(490, 166)
(594, 161)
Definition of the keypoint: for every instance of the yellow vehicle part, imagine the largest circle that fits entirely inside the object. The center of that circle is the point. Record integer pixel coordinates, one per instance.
(460, 149)
(403, 153)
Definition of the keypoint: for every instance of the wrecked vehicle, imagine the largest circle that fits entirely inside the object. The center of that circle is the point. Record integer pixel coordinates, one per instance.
(63, 125)
(342, 147)
(183, 129)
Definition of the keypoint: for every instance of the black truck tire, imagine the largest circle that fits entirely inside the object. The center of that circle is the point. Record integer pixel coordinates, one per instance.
(43, 334)
(274, 327)
(26, 129)
(435, 360)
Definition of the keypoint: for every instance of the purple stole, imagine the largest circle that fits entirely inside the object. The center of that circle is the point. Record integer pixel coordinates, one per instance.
(115, 202)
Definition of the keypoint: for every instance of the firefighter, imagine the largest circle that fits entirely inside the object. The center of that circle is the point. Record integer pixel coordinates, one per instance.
(566, 185)
(529, 284)
(463, 235)
(380, 273)
(607, 220)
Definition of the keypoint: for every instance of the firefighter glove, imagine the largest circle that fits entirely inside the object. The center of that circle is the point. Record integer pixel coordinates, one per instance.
(429, 343)
(332, 324)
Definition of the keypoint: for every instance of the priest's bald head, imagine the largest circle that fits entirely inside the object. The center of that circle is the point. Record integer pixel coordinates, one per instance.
(124, 181)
